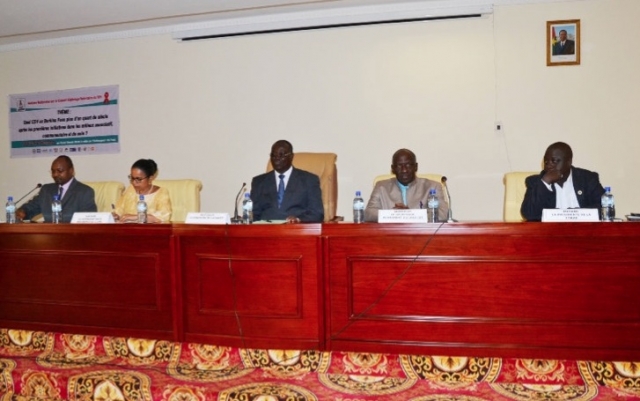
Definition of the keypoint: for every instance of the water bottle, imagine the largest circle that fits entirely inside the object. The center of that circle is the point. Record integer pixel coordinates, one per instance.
(608, 209)
(142, 210)
(11, 210)
(247, 209)
(358, 208)
(56, 210)
(432, 207)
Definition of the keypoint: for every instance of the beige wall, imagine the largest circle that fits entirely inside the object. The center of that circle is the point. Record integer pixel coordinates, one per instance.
(211, 109)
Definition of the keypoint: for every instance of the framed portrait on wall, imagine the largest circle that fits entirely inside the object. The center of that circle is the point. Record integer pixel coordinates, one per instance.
(563, 42)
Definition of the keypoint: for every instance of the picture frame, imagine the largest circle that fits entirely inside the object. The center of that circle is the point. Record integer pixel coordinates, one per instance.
(563, 42)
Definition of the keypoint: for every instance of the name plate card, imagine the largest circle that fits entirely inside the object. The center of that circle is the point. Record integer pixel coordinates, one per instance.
(402, 216)
(570, 215)
(208, 218)
(92, 218)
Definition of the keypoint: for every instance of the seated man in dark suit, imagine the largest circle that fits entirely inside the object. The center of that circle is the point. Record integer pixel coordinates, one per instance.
(560, 185)
(286, 193)
(76, 196)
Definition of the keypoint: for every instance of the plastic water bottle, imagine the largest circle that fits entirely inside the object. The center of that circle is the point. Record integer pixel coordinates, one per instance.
(358, 208)
(142, 210)
(608, 209)
(56, 210)
(11, 210)
(432, 207)
(247, 209)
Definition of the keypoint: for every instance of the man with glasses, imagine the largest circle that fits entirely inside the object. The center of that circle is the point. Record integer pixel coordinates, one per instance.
(74, 195)
(286, 193)
(405, 191)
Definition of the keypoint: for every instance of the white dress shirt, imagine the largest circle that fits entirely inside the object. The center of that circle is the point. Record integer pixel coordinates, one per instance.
(565, 195)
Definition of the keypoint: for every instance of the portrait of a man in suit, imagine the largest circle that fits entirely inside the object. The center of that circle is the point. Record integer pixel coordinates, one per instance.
(564, 45)
(563, 42)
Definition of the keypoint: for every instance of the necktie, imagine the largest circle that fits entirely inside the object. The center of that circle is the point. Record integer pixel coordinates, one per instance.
(60, 190)
(280, 189)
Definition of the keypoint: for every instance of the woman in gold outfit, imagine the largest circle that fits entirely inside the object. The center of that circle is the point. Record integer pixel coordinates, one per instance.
(143, 172)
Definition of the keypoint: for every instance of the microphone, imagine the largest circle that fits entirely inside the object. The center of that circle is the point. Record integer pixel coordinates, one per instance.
(38, 185)
(237, 219)
(450, 213)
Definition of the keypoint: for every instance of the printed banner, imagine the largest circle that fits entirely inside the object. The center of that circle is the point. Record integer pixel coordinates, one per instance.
(84, 120)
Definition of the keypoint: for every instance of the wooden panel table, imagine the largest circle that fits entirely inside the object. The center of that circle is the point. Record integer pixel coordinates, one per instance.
(87, 279)
(543, 290)
(539, 290)
(252, 286)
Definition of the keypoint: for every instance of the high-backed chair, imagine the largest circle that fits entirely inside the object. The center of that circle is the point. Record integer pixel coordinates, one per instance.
(432, 177)
(324, 166)
(184, 195)
(514, 189)
(106, 193)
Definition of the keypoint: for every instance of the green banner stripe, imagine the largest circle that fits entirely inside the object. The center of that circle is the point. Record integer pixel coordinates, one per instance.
(64, 141)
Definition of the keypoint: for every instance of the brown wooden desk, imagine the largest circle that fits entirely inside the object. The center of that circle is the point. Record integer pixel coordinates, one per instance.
(543, 290)
(252, 286)
(539, 290)
(93, 279)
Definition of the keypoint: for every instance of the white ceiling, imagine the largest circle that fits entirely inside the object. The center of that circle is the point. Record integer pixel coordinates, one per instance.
(30, 20)
(34, 23)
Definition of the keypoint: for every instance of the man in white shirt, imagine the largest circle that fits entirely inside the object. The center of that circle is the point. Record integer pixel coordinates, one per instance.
(560, 185)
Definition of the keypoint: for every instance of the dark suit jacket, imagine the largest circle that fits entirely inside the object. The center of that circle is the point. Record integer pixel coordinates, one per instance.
(569, 48)
(78, 198)
(302, 197)
(585, 183)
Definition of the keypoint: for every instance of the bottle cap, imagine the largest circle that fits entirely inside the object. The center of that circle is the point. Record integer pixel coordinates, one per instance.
(10, 199)
(358, 193)
(141, 197)
(432, 191)
(607, 189)
(56, 197)
(247, 195)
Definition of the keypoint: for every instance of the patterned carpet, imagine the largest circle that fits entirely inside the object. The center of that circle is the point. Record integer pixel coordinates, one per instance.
(53, 366)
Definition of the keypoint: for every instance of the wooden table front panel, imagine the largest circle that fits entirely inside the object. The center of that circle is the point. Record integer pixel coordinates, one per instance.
(530, 290)
(252, 286)
(93, 279)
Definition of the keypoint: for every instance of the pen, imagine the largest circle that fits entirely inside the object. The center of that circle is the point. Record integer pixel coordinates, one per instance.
(113, 212)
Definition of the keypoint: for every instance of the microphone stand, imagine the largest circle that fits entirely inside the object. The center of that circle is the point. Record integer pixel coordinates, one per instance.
(450, 213)
(27, 194)
(237, 219)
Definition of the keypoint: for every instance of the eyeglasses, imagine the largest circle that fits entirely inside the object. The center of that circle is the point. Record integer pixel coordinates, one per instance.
(137, 179)
(280, 156)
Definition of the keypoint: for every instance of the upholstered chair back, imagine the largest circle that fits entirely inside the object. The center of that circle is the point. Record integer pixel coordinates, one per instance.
(514, 190)
(184, 195)
(106, 193)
